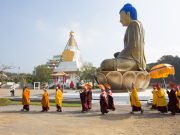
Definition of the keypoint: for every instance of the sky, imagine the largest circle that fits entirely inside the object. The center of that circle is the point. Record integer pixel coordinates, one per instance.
(32, 31)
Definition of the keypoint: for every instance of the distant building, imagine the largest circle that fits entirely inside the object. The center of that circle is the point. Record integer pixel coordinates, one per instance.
(54, 62)
(70, 64)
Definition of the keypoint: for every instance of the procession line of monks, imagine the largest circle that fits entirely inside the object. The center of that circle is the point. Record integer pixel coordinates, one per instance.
(159, 99)
(45, 99)
(107, 102)
(106, 99)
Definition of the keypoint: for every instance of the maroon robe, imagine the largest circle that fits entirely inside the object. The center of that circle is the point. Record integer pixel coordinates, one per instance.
(103, 103)
(172, 104)
(83, 97)
(111, 103)
(89, 99)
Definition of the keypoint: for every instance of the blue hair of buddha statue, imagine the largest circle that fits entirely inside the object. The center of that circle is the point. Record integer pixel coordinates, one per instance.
(129, 8)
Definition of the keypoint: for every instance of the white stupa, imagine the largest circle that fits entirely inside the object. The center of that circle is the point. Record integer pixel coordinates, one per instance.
(71, 59)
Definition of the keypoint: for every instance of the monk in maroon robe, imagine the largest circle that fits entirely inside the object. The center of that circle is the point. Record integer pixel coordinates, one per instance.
(89, 97)
(103, 100)
(83, 97)
(172, 104)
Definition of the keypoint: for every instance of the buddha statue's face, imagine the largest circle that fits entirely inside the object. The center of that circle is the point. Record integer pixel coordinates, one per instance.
(125, 18)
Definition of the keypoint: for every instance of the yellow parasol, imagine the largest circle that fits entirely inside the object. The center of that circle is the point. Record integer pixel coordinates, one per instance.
(162, 71)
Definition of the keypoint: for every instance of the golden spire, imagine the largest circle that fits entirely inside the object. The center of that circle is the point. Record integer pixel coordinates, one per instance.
(72, 41)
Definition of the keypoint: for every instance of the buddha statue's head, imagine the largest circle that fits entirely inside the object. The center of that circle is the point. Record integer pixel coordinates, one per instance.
(127, 14)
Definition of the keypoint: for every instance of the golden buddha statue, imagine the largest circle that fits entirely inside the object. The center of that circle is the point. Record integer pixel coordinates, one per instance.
(129, 65)
(132, 57)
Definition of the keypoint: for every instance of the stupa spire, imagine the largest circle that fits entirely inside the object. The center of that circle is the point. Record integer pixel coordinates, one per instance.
(71, 41)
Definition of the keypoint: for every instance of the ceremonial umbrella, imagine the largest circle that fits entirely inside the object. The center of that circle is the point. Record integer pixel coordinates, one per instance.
(162, 71)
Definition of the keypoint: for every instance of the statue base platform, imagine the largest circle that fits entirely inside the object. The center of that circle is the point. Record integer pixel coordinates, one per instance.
(121, 81)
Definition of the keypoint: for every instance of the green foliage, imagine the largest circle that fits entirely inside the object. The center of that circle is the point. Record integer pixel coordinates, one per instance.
(173, 60)
(149, 66)
(87, 72)
(41, 74)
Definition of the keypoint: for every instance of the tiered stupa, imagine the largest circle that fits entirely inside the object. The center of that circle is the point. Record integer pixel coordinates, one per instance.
(71, 62)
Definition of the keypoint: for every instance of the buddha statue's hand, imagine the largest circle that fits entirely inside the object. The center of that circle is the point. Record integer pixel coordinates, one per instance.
(116, 54)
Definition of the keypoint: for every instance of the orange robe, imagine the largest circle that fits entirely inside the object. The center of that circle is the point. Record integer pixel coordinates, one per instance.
(26, 97)
(45, 99)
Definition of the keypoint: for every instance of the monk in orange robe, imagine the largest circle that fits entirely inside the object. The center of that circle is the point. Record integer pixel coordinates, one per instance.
(134, 99)
(155, 97)
(25, 99)
(45, 101)
(161, 100)
(58, 98)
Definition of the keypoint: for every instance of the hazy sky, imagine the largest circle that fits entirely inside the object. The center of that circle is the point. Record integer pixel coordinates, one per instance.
(32, 31)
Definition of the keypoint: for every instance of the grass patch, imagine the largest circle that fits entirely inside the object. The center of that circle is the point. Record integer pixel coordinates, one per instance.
(5, 102)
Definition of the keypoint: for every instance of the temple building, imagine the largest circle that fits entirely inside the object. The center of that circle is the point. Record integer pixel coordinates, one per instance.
(67, 69)
(53, 63)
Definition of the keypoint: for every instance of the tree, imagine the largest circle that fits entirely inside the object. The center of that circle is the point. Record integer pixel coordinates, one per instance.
(3, 76)
(41, 74)
(87, 72)
(173, 60)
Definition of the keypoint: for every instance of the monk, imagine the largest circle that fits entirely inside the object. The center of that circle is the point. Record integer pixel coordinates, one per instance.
(25, 99)
(172, 104)
(154, 92)
(89, 97)
(161, 100)
(103, 100)
(83, 97)
(110, 97)
(132, 57)
(134, 99)
(178, 98)
(58, 98)
(45, 101)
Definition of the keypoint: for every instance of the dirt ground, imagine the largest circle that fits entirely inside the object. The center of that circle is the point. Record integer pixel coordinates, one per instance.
(72, 122)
